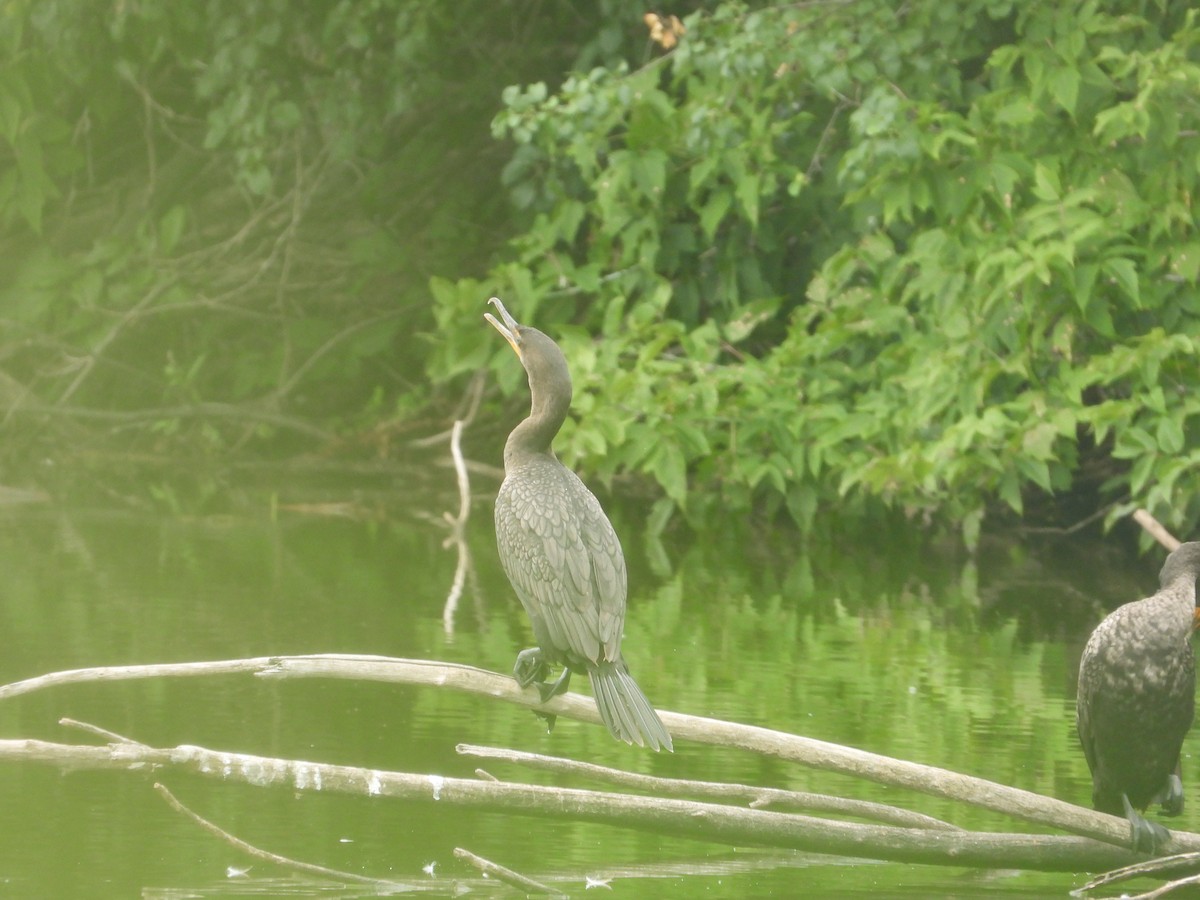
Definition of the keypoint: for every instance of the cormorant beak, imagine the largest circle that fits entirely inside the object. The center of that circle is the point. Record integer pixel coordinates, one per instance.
(1196, 618)
(510, 328)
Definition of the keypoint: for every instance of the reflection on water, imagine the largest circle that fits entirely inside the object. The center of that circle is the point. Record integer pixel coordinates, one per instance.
(887, 644)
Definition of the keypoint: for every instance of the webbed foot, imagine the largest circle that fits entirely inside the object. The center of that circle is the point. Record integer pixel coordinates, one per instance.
(1145, 836)
(1172, 801)
(530, 668)
(558, 687)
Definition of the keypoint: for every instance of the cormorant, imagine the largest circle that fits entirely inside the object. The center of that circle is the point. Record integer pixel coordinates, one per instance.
(1136, 699)
(561, 554)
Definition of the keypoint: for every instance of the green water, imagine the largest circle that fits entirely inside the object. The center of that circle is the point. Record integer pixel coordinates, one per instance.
(875, 639)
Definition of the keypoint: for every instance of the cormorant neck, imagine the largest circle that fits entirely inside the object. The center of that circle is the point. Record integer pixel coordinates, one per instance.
(547, 412)
(1183, 565)
(1178, 581)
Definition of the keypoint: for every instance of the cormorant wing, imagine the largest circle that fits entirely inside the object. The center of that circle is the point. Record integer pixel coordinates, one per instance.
(564, 560)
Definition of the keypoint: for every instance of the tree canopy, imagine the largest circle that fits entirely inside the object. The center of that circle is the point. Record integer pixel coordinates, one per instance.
(936, 258)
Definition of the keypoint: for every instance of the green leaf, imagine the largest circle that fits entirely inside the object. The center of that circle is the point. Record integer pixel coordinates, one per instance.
(1170, 435)
(1064, 88)
(1010, 491)
(667, 465)
(1046, 185)
(747, 189)
(1036, 470)
(714, 212)
(649, 171)
(1124, 273)
(1186, 262)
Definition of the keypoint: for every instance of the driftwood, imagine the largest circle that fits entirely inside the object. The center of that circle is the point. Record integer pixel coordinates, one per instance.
(257, 853)
(683, 818)
(1162, 867)
(754, 797)
(675, 816)
(508, 876)
(1024, 805)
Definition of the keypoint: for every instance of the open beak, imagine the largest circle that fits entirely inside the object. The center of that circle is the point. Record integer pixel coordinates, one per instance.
(509, 328)
(1196, 618)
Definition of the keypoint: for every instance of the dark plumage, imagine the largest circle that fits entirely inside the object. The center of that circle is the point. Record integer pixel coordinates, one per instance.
(1137, 695)
(561, 554)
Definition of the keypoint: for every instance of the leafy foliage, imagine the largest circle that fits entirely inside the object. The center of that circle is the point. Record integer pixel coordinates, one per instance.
(935, 257)
(220, 217)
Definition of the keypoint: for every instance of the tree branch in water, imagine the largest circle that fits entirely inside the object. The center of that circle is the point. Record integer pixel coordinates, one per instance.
(1021, 804)
(682, 818)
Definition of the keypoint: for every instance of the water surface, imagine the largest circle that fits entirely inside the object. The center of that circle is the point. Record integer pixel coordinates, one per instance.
(880, 639)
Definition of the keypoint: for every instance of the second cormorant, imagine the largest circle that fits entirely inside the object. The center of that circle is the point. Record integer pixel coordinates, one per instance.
(561, 554)
(1137, 696)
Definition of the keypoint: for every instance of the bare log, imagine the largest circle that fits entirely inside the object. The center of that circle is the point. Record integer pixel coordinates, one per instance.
(508, 876)
(752, 796)
(1021, 804)
(682, 818)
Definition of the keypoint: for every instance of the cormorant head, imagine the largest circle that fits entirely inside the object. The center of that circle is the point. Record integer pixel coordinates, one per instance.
(1184, 560)
(543, 360)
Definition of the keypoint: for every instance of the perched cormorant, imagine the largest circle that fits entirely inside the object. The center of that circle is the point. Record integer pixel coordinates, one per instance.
(561, 554)
(1137, 696)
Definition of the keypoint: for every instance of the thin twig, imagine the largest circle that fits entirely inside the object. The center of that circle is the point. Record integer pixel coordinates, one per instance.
(99, 732)
(350, 330)
(464, 482)
(98, 349)
(1161, 867)
(266, 855)
(457, 526)
(1165, 889)
(754, 797)
(1156, 529)
(508, 876)
(470, 403)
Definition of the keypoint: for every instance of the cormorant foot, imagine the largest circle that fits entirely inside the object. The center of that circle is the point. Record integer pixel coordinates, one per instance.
(550, 718)
(558, 687)
(530, 668)
(1172, 801)
(1145, 836)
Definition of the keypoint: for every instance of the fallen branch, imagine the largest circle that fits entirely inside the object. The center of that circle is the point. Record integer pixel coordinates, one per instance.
(1165, 889)
(1162, 867)
(754, 797)
(457, 526)
(1156, 529)
(273, 858)
(682, 818)
(1021, 804)
(508, 876)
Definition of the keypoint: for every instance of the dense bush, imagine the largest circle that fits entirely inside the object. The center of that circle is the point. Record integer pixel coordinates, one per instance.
(932, 256)
(220, 217)
(939, 258)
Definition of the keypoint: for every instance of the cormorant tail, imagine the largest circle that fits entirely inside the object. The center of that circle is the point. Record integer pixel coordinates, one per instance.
(624, 709)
